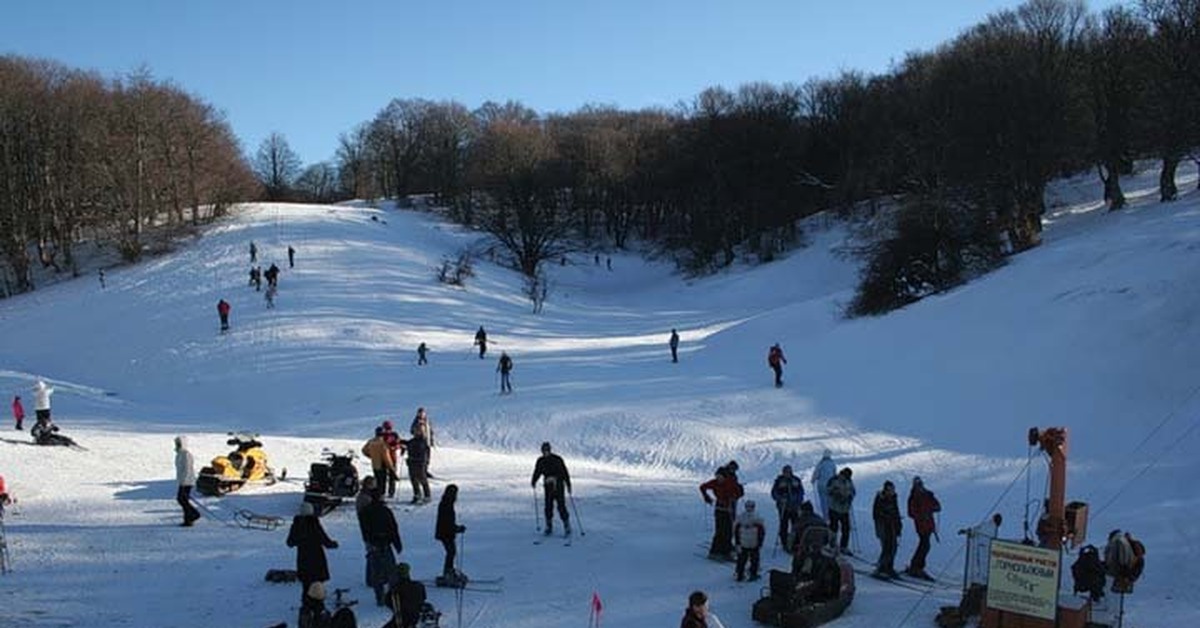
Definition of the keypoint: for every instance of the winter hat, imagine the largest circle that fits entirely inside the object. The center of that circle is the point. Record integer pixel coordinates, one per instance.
(379, 431)
(316, 591)
(846, 472)
(750, 504)
(787, 468)
(888, 484)
(368, 482)
(403, 570)
(827, 454)
(733, 465)
(546, 447)
(181, 442)
(917, 480)
(387, 425)
(806, 507)
(306, 510)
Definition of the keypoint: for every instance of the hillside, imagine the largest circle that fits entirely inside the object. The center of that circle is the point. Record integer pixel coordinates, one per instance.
(1095, 331)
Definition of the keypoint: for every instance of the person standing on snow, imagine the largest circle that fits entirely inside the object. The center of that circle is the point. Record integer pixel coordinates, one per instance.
(405, 599)
(505, 367)
(886, 514)
(395, 448)
(776, 361)
(185, 475)
(253, 252)
(382, 466)
(310, 541)
(422, 426)
(18, 412)
(788, 493)
(727, 491)
(291, 257)
(749, 532)
(821, 475)
(674, 344)
(223, 308)
(418, 464)
(841, 500)
(422, 350)
(41, 401)
(553, 469)
(481, 341)
(921, 506)
(447, 530)
(381, 535)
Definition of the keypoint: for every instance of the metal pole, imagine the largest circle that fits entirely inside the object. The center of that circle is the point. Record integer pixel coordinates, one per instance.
(537, 522)
(578, 521)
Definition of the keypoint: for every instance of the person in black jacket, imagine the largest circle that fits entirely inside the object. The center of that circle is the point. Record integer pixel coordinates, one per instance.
(481, 341)
(504, 368)
(310, 541)
(886, 513)
(418, 467)
(448, 529)
(406, 599)
(380, 534)
(554, 470)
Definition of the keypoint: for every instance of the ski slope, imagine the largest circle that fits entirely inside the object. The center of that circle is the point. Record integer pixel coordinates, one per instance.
(1096, 331)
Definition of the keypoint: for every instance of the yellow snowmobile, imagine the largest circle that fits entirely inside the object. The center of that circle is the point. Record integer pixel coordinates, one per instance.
(246, 463)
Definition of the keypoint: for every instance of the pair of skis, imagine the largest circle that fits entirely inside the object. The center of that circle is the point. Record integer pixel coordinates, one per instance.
(478, 585)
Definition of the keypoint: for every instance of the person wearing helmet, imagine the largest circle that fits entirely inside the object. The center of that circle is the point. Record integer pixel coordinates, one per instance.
(749, 532)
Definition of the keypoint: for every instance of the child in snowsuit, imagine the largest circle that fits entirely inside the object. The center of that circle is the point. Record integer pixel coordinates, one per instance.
(18, 412)
(749, 532)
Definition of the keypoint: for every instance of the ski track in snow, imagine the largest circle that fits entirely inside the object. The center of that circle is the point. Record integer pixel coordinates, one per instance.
(1095, 330)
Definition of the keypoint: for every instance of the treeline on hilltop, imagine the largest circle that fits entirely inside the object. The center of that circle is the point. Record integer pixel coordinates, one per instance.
(127, 163)
(959, 143)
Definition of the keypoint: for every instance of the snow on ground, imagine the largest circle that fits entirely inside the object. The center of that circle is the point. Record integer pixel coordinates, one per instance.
(1094, 331)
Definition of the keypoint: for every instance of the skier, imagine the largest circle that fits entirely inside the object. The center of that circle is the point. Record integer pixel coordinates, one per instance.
(406, 599)
(674, 343)
(291, 257)
(185, 475)
(18, 411)
(272, 275)
(446, 531)
(821, 475)
(41, 400)
(382, 466)
(270, 296)
(749, 532)
(223, 308)
(395, 449)
(101, 274)
(418, 463)
(253, 252)
(421, 425)
(253, 276)
(841, 499)
(608, 262)
(696, 615)
(422, 350)
(380, 535)
(553, 469)
(886, 514)
(776, 361)
(727, 491)
(921, 506)
(505, 367)
(310, 541)
(788, 493)
(44, 432)
(481, 341)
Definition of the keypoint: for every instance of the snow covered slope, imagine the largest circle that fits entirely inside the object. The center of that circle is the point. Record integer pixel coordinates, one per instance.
(1096, 331)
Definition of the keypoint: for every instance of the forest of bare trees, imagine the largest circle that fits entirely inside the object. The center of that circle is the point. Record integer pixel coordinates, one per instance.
(952, 148)
(128, 163)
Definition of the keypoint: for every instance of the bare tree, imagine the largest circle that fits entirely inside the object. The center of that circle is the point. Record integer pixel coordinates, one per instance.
(276, 165)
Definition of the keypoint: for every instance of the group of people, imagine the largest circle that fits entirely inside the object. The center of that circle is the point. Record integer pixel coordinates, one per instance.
(504, 366)
(43, 431)
(257, 275)
(386, 448)
(739, 538)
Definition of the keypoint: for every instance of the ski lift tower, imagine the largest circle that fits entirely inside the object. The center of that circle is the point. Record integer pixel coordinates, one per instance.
(1023, 580)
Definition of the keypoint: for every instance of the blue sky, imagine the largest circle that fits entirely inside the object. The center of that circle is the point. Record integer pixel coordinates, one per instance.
(313, 69)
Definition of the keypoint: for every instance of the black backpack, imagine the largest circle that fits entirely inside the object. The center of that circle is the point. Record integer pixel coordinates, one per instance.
(1088, 572)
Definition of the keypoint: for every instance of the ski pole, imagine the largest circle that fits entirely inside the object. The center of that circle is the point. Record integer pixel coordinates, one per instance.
(536, 521)
(578, 521)
(462, 551)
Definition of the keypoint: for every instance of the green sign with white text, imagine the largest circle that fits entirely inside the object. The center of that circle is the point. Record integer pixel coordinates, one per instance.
(1023, 579)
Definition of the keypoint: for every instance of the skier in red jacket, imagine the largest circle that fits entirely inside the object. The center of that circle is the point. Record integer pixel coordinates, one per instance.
(18, 412)
(223, 311)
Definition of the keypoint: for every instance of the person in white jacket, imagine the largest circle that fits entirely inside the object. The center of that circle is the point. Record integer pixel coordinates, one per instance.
(41, 400)
(749, 532)
(185, 475)
(826, 470)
